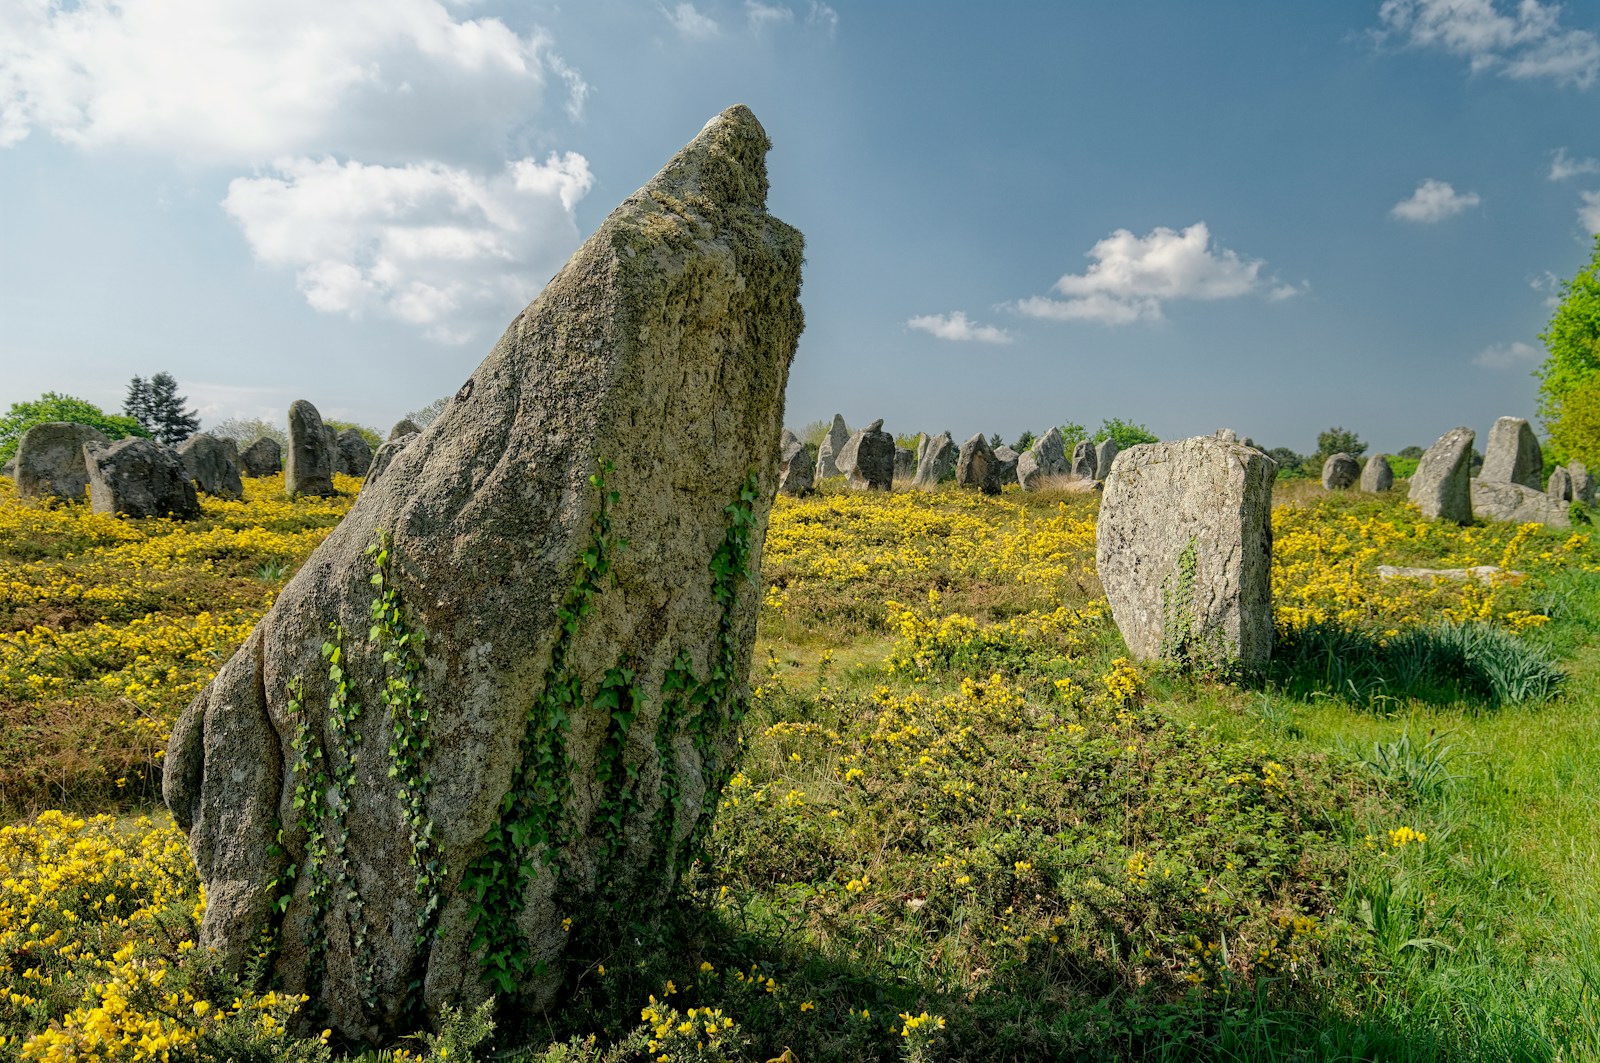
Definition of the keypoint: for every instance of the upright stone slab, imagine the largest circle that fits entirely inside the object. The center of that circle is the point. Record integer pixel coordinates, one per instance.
(139, 478)
(354, 454)
(1051, 454)
(1104, 454)
(50, 460)
(1377, 475)
(1582, 483)
(1184, 550)
(1030, 475)
(828, 450)
(1339, 472)
(1560, 485)
(385, 455)
(568, 691)
(262, 458)
(938, 463)
(1499, 500)
(1441, 486)
(213, 465)
(795, 471)
(905, 464)
(976, 466)
(1513, 454)
(1006, 459)
(311, 461)
(922, 448)
(869, 458)
(1083, 465)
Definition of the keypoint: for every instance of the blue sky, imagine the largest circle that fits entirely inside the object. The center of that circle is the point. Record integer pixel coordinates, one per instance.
(1276, 217)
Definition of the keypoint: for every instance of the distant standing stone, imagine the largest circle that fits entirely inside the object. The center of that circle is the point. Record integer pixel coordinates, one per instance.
(1441, 486)
(405, 426)
(922, 447)
(794, 469)
(1582, 483)
(1104, 455)
(1501, 500)
(385, 455)
(1513, 454)
(976, 466)
(262, 458)
(213, 465)
(1083, 464)
(309, 467)
(139, 478)
(828, 450)
(50, 460)
(1560, 485)
(1184, 550)
(355, 454)
(1007, 458)
(870, 457)
(905, 463)
(1339, 472)
(1376, 474)
(938, 463)
(1050, 452)
(1029, 473)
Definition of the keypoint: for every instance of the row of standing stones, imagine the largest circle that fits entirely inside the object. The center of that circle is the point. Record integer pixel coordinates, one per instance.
(1509, 486)
(140, 478)
(542, 607)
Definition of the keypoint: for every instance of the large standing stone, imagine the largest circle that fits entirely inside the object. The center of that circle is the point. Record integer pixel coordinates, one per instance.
(1030, 474)
(405, 426)
(1441, 485)
(869, 457)
(385, 455)
(1104, 455)
(1560, 485)
(138, 478)
(1500, 500)
(828, 450)
(795, 472)
(923, 439)
(905, 463)
(1582, 483)
(1083, 466)
(937, 464)
(976, 466)
(564, 732)
(354, 453)
(1050, 451)
(1513, 454)
(1185, 550)
(1007, 459)
(213, 465)
(50, 460)
(1339, 472)
(311, 461)
(262, 458)
(1377, 475)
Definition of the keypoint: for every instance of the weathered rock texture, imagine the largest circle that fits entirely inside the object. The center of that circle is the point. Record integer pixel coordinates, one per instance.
(262, 458)
(1007, 460)
(1104, 454)
(213, 465)
(354, 455)
(570, 691)
(795, 473)
(1050, 452)
(1377, 475)
(1185, 550)
(828, 450)
(1441, 485)
(976, 466)
(405, 426)
(139, 478)
(50, 460)
(1560, 485)
(905, 463)
(1513, 454)
(309, 466)
(937, 464)
(1339, 472)
(868, 459)
(385, 455)
(1582, 483)
(1083, 465)
(1500, 500)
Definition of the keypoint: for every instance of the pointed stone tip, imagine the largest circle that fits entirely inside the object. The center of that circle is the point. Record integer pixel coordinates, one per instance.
(726, 161)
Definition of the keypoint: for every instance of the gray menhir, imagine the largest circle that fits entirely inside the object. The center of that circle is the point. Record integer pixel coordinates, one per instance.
(213, 465)
(1441, 485)
(311, 461)
(636, 400)
(139, 478)
(50, 460)
(264, 457)
(976, 466)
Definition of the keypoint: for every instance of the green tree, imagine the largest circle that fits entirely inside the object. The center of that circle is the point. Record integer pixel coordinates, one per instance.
(156, 404)
(54, 406)
(1024, 441)
(246, 430)
(1073, 433)
(1126, 433)
(995, 442)
(1566, 394)
(1338, 440)
(423, 417)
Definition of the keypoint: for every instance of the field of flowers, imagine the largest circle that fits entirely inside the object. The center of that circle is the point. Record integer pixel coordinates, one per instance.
(965, 825)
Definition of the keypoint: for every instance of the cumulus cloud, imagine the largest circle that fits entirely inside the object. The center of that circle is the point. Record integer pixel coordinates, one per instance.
(1563, 166)
(692, 24)
(1589, 213)
(431, 245)
(238, 81)
(1433, 201)
(1132, 276)
(957, 328)
(1508, 355)
(1529, 42)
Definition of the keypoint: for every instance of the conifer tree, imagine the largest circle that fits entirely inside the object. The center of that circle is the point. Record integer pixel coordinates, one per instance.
(157, 406)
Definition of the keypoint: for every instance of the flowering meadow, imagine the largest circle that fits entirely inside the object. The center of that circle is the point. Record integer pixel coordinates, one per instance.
(965, 825)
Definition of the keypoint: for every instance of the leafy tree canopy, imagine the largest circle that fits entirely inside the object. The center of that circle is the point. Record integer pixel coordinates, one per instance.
(246, 430)
(421, 418)
(54, 406)
(1024, 442)
(1126, 433)
(1073, 433)
(1577, 433)
(1338, 440)
(1573, 364)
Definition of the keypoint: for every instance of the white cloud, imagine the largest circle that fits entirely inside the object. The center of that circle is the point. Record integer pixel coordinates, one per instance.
(763, 15)
(1132, 276)
(434, 246)
(1434, 201)
(824, 16)
(1589, 213)
(1563, 166)
(957, 328)
(1508, 355)
(1529, 43)
(244, 82)
(691, 24)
